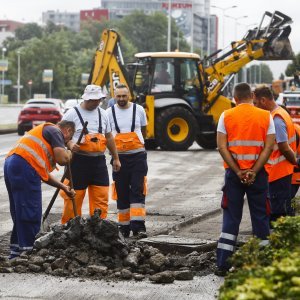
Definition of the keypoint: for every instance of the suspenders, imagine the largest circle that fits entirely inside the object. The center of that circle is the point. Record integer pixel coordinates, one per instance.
(133, 118)
(82, 122)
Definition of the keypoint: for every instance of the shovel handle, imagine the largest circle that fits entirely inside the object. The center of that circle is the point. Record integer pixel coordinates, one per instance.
(46, 213)
(71, 187)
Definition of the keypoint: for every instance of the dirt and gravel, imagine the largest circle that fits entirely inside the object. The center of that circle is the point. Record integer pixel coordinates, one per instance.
(94, 248)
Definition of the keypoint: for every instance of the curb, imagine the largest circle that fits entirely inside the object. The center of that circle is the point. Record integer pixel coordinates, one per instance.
(9, 130)
(190, 221)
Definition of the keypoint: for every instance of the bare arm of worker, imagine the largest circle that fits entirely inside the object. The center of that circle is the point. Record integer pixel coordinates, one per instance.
(62, 156)
(287, 152)
(54, 182)
(113, 150)
(265, 153)
(144, 132)
(73, 146)
(226, 155)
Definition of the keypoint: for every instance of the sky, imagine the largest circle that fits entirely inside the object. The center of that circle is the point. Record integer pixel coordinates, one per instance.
(31, 11)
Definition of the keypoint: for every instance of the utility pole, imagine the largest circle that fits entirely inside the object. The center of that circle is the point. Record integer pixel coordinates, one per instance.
(18, 79)
(169, 26)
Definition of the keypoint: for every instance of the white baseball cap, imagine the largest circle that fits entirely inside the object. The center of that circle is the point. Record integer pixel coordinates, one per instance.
(93, 92)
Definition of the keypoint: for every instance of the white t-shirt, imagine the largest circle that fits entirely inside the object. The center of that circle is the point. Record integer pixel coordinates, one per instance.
(124, 120)
(92, 117)
(221, 125)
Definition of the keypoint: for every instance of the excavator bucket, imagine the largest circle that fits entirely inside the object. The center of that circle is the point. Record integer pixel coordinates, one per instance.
(276, 33)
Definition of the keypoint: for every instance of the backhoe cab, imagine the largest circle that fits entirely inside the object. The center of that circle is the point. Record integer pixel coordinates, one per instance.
(181, 93)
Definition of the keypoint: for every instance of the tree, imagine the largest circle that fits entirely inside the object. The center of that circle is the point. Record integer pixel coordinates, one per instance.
(28, 31)
(135, 28)
(294, 66)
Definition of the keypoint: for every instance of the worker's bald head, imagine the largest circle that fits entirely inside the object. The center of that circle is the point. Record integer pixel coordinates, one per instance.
(242, 92)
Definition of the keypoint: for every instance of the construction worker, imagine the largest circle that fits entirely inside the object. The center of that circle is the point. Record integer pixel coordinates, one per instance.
(281, 164)
(128, 122)
(296, 174)
(88, 166)
(245, 138)
(30, 161)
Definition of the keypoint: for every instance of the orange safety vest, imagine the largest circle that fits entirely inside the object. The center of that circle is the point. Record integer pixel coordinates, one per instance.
(94, 143)
(127, 141)
(247, 128)
(36, 151)
(296, 174)
(277, 165)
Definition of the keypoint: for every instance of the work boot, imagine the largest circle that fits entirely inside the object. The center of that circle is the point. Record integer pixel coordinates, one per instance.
(221, 272)
(125, 231)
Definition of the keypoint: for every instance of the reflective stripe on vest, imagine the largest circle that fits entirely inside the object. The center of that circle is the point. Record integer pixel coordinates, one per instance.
(245, 156)
(40, 142)
(290, 141)
(246, 143)
(278, 166)
(33, 153)
(37, 151)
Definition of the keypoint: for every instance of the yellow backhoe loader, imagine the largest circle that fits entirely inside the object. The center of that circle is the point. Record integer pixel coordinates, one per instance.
(182, 93)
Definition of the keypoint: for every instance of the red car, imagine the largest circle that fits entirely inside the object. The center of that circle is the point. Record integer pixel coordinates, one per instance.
(38, 111)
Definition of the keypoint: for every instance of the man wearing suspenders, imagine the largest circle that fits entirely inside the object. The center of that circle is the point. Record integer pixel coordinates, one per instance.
(88, 166)
(128, 122)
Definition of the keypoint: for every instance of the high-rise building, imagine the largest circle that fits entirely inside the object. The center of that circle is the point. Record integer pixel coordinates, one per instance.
(70, 20)
(191, 16)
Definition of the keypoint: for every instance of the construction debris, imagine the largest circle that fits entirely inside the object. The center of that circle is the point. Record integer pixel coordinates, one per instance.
(94, 248)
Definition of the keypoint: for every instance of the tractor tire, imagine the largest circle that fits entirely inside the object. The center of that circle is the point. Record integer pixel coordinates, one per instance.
(150, 144)
(207, 141)
(175, 129)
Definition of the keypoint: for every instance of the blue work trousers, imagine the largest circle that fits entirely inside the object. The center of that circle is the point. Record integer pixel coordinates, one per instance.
(232, 204)
(129, 182)
(25, 197)
(280, 192)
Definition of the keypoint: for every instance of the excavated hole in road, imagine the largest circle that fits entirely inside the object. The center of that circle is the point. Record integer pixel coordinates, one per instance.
(94, 248)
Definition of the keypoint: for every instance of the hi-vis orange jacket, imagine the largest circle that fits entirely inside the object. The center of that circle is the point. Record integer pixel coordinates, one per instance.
(94, 143)
(128, 141)
(296, 174)
(247, 128)
(277, 165)
(36, 151)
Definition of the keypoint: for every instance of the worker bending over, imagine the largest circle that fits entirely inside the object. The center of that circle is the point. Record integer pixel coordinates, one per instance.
(245, 139)
(88, 166)
(30, 161)
(281, 164)
(128, 122)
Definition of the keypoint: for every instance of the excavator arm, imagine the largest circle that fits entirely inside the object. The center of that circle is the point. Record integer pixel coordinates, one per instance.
(262, 43)
(108, 64)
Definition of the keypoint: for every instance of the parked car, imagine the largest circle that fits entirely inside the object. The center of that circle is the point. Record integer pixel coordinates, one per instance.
(71, 103)
(38, 111)
(292, 102)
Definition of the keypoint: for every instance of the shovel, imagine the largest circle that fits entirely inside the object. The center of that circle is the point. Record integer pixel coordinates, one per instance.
(45, 226)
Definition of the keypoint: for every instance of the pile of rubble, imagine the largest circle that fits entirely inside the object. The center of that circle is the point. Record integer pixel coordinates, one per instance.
(94, 248)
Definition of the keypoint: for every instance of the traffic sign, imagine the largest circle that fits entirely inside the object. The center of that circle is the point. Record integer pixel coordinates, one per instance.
(5, 82)
(3, 65)
(84, 78)
(47, 75)
(17, 86)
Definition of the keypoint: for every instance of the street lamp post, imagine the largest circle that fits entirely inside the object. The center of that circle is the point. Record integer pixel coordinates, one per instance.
(235, 36)
(169, 26)
(18, 79)
(223, 17)
(3, 72)
(236, 23)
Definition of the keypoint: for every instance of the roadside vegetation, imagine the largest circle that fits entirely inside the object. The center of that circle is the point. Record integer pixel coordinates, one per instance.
(270, 272)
